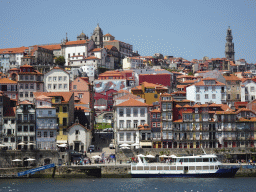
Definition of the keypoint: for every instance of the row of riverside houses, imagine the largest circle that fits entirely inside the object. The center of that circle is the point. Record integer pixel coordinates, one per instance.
(43, 111)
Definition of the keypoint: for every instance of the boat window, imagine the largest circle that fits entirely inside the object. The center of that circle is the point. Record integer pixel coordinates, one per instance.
(198, 167)
(146, 168)
(181, 160)
(199, 160)
(166, 167)
(139, 168)
(192, 160)
(211, 167)
(153, 168)
(185, 160)
(214, 160)
(173, 167)
(159, 168)
(180, 168)
(192, 167)
(205, 167)
(210, 159)
(205, 160)
(133, 168)
(217, 167)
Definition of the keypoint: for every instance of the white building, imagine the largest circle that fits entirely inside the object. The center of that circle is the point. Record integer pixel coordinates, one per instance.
(208, 90)
(132, 63)
(76, 48)
(9, 128)
(56, 80)
(46, 123)
(79, 137)
(248, 91)
(128, 116)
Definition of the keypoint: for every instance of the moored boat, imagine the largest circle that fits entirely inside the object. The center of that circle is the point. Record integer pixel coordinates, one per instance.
(185, 166)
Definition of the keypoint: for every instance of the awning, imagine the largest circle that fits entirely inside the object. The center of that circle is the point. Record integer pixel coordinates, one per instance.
(145, 143)
(62, 141)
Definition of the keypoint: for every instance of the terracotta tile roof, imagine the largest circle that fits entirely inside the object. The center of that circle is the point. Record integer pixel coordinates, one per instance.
(196, 105)
(152, 85)
(155, 111)
(181, 86)
(79, 42)
(7, 81)
(128, 96)
(208, 79)
(137, 88)
(52, 47)
(10, 112)
(132, 103)
(45, 107)
(108, 35)
(25, 103)
(65, 95)
(14, 69)
(123, 91)
(26, 65)
(185, 76)
(178, 92)
(96, 50)
(110, 47)
(187, 106)
(91, 58)
(178, 106)
(232, 78)
(85, 109)
(166, 94)
(177, 121)
(13, 50)
(189, 81)
(201, 83)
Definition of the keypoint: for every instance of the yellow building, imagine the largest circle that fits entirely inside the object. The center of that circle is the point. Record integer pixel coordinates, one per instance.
(64, 104)
(149, 91)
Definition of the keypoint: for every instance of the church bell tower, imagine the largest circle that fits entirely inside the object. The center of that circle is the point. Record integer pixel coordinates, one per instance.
(229, 47)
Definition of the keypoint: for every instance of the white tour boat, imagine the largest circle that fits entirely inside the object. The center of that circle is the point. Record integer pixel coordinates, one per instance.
(185, 166)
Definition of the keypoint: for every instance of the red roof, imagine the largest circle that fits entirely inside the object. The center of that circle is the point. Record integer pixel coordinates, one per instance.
(132, 103)
(80, 42)
(10, 112)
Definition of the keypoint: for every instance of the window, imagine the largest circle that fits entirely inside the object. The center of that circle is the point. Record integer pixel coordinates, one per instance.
(135, 112)
(69, 55)
(49, 112)
(21, 95)
(51, 134)
(135, 124)
(31, 117)
(237, 96)
(26, 86)
(213, 88)
(60, 86)
(25, 138)
(6, 139)
(205, 88)
(65, 86)
(31, 77)
(154, 115)
(155, 96)
(74, 86)
(80, 95)
(6, 121)
(128, 136)
(65, 78)
(31, 94)
(142, 112)
(31, 86)
(158, 124)
(12, 139)
(26, 77)
(198, 97)
(128, 124)
(12, 121)
(65, 121)
(49, 86)
(206, 96)
(31, 128)
(19, 128)
(49, 78)
(128, 112)
(198, 89)
(31, 139)
(57, 109)
(252, 89)
(21, 86)
(121, 136)
(77, 132)
(121, 112)
(121, 123)
(25, 128)
(65, 109)
(21, 77)
(54, 78)
(45, 134)
(213, 96)
(54, 86)
(228, 96)
(60, 78)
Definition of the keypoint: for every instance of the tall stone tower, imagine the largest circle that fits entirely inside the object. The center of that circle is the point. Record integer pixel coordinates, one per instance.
(229, 47)
(97, 37)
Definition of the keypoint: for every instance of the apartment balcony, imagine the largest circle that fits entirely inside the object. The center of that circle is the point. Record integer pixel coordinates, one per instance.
(156, 120)
(26, 121)
(128, 128)
(47, 126)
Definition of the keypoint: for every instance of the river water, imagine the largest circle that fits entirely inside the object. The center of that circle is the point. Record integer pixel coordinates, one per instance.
(129, 184)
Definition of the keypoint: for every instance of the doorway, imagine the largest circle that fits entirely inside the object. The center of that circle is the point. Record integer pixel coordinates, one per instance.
(77, 147)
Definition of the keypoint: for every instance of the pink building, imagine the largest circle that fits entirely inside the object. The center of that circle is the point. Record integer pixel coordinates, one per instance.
(80, 87)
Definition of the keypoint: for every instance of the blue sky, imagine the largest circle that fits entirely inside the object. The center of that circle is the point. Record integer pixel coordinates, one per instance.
(184, 28)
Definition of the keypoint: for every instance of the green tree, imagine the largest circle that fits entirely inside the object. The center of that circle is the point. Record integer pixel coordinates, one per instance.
(60, 61)
(191, 73)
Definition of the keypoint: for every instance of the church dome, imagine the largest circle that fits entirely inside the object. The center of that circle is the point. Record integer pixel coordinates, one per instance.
(82, 35)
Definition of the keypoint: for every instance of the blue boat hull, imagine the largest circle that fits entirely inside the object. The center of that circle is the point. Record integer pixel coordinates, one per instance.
(221, 173)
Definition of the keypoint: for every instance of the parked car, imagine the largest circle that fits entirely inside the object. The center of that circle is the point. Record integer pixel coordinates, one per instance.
(91, 148)
(111, 146)
(108, 130)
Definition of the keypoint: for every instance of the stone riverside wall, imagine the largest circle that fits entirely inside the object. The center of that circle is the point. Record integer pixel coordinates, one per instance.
(6, 157)
(225, 154)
